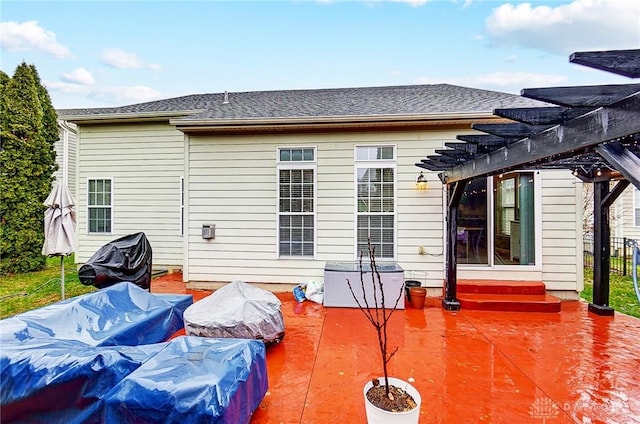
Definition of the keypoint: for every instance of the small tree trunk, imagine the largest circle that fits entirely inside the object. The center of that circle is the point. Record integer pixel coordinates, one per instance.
(377, 315)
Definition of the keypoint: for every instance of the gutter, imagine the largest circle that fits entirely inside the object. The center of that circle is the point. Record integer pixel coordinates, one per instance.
(180, 119)
(213, 123)
(332, 123)
(127, 116)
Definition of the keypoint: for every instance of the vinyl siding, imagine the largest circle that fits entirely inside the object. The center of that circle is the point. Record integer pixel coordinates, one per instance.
(233, 184)
(241, 171)
(623, 216)
(145, 163)
(561, 244)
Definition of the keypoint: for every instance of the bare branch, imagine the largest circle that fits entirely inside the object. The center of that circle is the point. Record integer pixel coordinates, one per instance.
(377, 314)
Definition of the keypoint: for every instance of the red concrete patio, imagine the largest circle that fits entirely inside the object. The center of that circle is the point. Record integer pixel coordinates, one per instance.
(469, 366)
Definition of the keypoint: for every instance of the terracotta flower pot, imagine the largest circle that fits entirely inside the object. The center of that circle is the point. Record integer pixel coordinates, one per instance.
(418, 295)
(408, 284)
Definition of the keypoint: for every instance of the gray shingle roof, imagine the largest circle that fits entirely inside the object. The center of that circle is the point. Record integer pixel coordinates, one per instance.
(338, 102)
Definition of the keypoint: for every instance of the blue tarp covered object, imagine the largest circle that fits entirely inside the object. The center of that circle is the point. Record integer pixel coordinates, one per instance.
(50, 380)
(102, 358)
(193, 380)
(119, 315)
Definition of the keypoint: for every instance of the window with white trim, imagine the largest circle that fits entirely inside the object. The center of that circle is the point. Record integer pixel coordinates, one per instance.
(296, 200)
(636, 207)
(375, 188)
(99, 203)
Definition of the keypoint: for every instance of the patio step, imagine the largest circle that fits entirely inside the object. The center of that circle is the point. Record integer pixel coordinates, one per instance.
(501, 287)
(511, 296)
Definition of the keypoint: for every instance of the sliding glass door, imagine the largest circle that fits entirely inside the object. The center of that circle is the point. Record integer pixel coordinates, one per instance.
(506, 236)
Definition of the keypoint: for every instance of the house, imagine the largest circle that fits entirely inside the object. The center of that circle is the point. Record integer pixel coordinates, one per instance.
(625, 215)
(268, 187)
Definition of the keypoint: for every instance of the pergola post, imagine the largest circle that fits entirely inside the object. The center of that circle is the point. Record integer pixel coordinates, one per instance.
(601, 250)
(454, 195)
(603, 198)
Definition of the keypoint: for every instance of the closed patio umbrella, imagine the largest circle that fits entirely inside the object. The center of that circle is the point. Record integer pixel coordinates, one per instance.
(59, 226)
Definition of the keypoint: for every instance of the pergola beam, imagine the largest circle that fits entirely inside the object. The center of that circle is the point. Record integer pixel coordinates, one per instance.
(621, 62)
(622, 160)
(541, 115)
(587, 131)
(582, 96)
(515, 130)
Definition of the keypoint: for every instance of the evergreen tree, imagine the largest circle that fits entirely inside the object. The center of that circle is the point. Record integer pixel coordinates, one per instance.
(28, 162)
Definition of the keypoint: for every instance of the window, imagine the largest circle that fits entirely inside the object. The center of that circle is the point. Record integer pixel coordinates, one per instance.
(473, 224)
(636, 206)
(99, 203)
(375, 180)
(514, 207)
(296, 199)
(499, 228)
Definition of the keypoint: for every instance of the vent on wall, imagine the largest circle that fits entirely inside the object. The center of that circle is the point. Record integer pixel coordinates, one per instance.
(209, 232)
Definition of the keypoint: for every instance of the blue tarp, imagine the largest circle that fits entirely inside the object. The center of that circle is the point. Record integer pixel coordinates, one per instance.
(193, 380)
(74, 362)
(119, 315)
(49, 380)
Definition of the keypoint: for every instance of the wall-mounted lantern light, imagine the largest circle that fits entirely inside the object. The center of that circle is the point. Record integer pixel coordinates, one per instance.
(421, 181)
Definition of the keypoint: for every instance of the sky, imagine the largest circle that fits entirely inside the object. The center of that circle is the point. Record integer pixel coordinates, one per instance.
(116, 53)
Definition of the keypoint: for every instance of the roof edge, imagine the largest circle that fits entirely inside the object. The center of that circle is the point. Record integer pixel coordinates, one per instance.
(216, 123)
(127, 117)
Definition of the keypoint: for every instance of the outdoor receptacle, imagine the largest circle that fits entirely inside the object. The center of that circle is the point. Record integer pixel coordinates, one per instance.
(209, 232)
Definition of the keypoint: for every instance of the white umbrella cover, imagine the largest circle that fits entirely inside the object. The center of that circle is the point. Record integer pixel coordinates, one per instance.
(59, 225)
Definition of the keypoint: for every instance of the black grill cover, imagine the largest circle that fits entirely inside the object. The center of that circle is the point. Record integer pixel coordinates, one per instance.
(125, 259)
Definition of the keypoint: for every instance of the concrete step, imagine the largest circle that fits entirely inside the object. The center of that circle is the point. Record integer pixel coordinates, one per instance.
(509, 302)
(514, 296)
(500, 287)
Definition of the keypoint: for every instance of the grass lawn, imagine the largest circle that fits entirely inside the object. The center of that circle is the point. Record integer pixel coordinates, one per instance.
(622, 296)
(23, 292)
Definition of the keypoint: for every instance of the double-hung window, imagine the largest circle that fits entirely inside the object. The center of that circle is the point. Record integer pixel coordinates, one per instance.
(99, 195)
(376, 192)
(296, 201)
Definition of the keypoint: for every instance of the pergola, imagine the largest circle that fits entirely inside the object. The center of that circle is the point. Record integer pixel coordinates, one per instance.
(594, 131)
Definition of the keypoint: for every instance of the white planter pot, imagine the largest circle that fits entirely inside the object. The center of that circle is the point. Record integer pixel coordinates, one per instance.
(376, 415)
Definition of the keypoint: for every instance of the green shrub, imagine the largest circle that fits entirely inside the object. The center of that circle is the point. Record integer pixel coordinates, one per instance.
(28, 131)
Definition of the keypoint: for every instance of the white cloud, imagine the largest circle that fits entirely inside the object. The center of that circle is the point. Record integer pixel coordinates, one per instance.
(118, 95)
(79, 76)
(124, 60)
(511, 82)
(29, 36)
(128, 95)
(414, 3)
(582, 25)
(68, 88)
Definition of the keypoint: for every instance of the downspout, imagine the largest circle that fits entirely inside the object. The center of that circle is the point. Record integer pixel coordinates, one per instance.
(65, 153)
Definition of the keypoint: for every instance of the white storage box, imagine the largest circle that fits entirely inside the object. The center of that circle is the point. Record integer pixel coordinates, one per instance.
(336, 289)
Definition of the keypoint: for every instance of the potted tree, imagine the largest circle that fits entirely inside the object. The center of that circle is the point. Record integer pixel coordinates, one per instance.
(387, 399)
